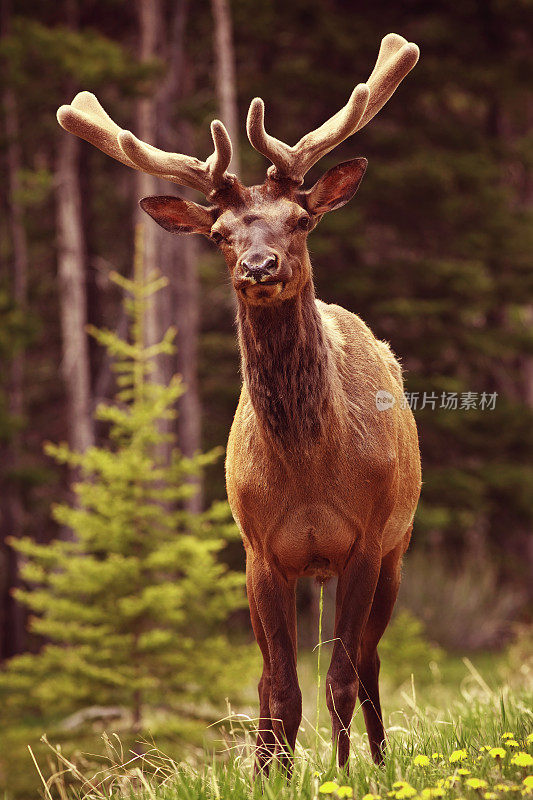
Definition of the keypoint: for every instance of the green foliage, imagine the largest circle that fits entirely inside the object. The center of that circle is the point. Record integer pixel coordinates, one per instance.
(405, 650)
(462, 604)
(132, 604)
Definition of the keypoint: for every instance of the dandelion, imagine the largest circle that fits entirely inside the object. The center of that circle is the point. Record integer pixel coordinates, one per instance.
(436, 755)
(497, 752)
(522, 760)
(529, 739)
(511, 743)
(421, 761)
(329, 787)
(490, 795)
(344, 791)
(476, 783)
(371, 797)
(502, 787)
(458, 755)
(507, 735)
(528, 782)
(403, 790)
(431, 792)
(463, 771)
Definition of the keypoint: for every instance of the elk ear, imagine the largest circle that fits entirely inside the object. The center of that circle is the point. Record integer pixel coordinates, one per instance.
(179, 216)
(335, 188)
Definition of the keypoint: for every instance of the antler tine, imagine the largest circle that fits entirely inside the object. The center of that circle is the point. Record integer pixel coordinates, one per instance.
(86, 118)
(396, 58)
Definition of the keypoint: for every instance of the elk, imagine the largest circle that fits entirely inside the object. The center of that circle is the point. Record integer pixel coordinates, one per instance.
(321, 479)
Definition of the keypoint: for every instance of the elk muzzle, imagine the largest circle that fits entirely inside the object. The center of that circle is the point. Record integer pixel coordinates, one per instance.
(258, 267)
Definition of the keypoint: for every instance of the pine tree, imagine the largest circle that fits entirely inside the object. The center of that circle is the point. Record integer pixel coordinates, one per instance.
(132, 606)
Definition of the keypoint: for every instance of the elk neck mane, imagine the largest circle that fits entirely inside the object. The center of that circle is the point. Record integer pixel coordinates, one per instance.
(287, 368)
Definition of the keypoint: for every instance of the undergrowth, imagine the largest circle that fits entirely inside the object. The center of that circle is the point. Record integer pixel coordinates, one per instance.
(478, 748)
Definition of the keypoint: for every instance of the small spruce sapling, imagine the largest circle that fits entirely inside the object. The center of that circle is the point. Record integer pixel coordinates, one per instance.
(132, 607)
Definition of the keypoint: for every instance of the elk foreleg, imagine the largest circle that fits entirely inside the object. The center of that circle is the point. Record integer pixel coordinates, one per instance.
(355, 592)
(274, 600)
(265, 743)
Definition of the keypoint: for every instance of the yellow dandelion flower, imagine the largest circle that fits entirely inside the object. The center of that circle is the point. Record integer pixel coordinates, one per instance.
(328, 787)
(511, 743)
(405, 792)
(431, 792)
(371, 796)
(528, 782)
(522, 760)
(497, 752)
(345, 791)
(529, 739)
(391, 794)
(476, 783)
(502, 787)
(490, 795)
(463, 771)
(451, 779)
(437, 755)
(458, 755)
(507, 735)
(421, 761)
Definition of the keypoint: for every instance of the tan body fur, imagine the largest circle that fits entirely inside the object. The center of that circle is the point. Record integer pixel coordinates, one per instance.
(313, 516)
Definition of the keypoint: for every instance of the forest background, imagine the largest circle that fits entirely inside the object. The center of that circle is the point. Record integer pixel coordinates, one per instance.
(434, 254)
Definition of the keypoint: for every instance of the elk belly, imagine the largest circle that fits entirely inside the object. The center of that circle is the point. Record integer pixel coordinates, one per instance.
(312, 539)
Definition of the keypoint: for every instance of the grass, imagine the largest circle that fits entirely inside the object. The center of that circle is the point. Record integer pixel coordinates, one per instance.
(458, 732)
(449, 705)
(467, 750)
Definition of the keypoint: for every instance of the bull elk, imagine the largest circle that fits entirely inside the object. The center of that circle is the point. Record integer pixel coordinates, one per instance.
(320, 479)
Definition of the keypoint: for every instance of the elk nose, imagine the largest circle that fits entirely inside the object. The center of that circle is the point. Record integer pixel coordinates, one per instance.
(258, 269)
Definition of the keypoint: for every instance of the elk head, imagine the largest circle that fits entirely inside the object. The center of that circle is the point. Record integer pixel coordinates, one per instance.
(261, 230)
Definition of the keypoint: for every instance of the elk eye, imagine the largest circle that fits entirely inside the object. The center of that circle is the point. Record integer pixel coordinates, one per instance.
(217, 237)
(304, 222)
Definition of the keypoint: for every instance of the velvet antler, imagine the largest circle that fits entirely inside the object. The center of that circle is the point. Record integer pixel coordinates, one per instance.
(396, 58)
(86, 118)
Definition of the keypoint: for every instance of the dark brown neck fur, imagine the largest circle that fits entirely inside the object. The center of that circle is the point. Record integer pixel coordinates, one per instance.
(286, 363)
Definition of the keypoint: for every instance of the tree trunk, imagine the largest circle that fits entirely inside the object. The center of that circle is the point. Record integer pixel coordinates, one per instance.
(178, 254)
(72, 294)
(71, 259)
(149, 26)
(225, 75)
(12, 511)
(12, 614)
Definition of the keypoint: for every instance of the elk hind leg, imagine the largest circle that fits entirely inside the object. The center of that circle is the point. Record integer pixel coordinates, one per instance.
(368, 667)
(355, 590)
